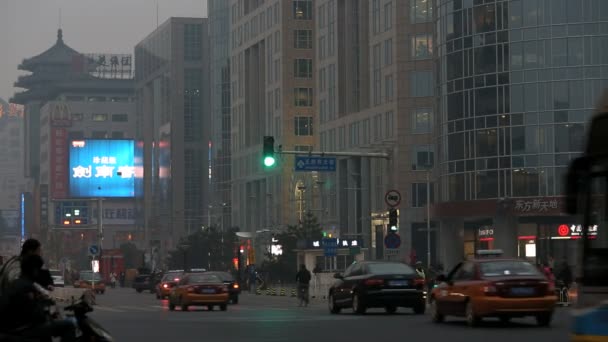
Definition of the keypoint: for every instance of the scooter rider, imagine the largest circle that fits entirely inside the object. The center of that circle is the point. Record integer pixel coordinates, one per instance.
(23, 307)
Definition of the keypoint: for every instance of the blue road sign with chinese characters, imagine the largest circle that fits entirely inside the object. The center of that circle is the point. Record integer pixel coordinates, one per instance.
(330, 246)
(310, 163)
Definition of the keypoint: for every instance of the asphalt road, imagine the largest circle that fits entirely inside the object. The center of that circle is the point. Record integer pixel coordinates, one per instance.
(130, 316)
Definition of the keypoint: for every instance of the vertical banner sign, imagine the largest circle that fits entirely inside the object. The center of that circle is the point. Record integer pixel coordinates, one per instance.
(58, 158)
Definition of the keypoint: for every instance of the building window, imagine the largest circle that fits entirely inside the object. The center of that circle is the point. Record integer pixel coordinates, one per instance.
(377, 127)
(388, 16)
(376, 16)
(77, 116)
(302, 39)
(118, 135)
(419, 193)
(96, 99)
(389, 121)
(421, 83)
(120, 117)
(302, 9)
(422, 46)
(74, 98)
(388, 52)
(303, 125)
(99, 135)
(75, 135)
(388, 87)
(421, 11)
(193, 42)
(377, 74)
(303, 97)
(422, 120)
(100, 117)
(422, 157)
(119, 99)
(302, 68)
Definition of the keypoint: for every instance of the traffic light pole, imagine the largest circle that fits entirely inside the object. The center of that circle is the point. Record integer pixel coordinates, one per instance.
(339, 154)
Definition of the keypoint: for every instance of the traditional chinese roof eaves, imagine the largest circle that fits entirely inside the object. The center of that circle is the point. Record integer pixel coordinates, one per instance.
(59, 53)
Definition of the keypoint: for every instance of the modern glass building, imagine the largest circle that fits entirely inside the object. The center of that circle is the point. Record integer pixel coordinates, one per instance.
(518, 80)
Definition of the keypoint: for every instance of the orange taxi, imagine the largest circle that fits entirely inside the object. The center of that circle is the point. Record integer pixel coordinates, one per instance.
(199, 289)
(504, 288)
(167, 283)
(90, 281)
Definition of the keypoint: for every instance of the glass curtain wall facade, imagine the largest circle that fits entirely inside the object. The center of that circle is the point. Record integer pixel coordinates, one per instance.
(518, 81)
(219, 34)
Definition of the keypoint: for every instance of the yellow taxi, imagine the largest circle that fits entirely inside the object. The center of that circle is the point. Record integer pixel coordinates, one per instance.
(90, 281)
(199, 289)
(498, 287)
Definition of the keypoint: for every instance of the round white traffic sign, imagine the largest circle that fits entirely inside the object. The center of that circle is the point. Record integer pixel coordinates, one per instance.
(392, 198)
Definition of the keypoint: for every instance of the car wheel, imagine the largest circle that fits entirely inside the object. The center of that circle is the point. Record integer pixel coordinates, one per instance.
(210, 307)
(544, 319)
(390, 309)
(504, 319)
(235, 300)
(224, 307)
(358, 306)
(183, 306)
(471, 318)
(158, 296)
(331, 302)
(436, 316)
(420, 308)
(171, 306)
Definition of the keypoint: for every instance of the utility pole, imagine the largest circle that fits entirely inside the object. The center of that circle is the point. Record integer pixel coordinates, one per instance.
(428, 219)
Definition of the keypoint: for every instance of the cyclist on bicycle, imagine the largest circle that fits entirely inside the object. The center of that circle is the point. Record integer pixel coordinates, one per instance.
(303, 280)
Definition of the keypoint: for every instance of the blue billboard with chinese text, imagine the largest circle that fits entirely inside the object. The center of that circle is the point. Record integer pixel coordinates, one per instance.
(102, 168)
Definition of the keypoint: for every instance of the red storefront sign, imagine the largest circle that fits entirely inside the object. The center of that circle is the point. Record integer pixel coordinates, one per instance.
(59, 162)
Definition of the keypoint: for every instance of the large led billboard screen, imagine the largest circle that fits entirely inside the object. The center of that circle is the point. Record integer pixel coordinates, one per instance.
(102, 168)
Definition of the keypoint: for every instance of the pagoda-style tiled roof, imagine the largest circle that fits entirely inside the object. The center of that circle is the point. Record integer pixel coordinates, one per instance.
(59, 53)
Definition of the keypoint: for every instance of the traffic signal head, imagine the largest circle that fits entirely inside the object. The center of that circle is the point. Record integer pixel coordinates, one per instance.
(268, 152)
(392, 220)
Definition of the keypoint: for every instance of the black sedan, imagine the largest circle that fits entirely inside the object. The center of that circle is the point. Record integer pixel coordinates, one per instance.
(233, 286)
(146, 282)
(377, 284)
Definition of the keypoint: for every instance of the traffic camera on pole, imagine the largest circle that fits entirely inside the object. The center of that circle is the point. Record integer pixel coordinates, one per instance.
(392, 220)
(268, 152)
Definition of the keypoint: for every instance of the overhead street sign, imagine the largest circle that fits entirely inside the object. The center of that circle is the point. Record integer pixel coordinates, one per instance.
(330, 246)
(312, 163)
(392, 198)
(392, 241)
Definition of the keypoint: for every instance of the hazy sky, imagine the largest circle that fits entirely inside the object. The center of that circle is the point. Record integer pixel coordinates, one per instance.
(29, 27)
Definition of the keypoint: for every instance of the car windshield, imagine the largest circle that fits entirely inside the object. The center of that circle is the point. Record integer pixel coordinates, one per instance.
(171, 276)
(389, 268)
(508, 268)
(224, 276)
(89, 276)
(203, 278)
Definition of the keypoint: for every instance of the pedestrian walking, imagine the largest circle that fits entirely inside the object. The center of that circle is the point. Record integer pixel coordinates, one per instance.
(303, 280)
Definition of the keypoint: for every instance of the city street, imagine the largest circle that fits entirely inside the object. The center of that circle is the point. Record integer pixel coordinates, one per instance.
(140, 317)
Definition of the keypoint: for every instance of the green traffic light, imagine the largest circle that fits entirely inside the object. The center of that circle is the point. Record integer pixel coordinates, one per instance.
(269, 161)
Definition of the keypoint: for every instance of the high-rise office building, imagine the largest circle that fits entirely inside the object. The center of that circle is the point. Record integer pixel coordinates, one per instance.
(518, 81)
(376, 94)
(172, 91)
(220, 157)
(272, 91)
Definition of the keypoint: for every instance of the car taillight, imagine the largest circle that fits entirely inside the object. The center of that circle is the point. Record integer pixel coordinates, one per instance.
(176, 280)
(236, 286)
(419, 282)
(373, 282)
(166, 286)
(190, 290)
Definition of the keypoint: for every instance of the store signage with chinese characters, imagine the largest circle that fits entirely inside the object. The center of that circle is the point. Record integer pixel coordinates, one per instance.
(102, 168)
(574, 231)
(485, 234)
(342, 243)
(537, 205)
(58, 160)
